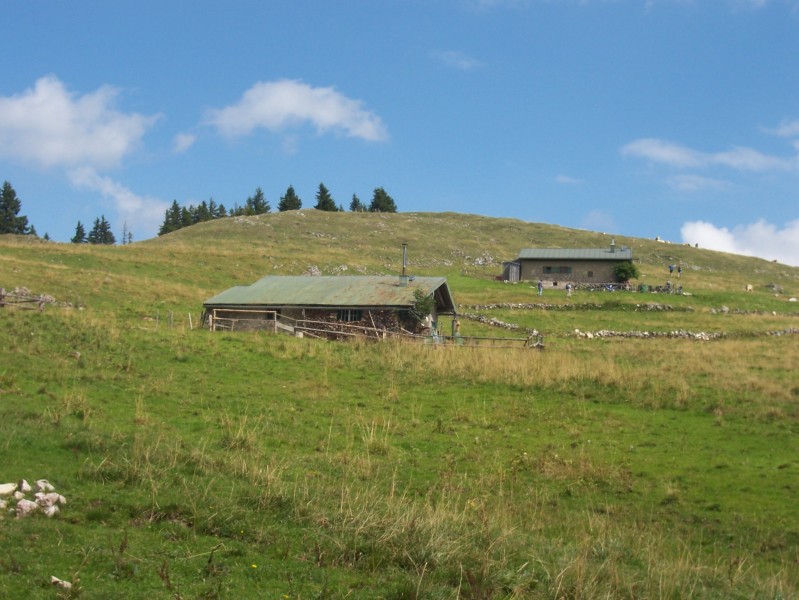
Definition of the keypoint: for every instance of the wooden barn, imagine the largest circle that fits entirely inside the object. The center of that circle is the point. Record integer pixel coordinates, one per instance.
(335, 304)
(558, 266)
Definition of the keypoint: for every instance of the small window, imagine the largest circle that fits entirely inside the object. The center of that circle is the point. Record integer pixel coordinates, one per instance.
(561, 270)
(348, 315)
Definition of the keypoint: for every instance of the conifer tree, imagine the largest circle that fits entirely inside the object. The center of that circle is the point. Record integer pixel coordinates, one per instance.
(172, 219)
(80, 234)
(10, 206)
(290, 201)
(257, 204)
(324, 201)
(382, 202)
(101, 232)
(356, 205)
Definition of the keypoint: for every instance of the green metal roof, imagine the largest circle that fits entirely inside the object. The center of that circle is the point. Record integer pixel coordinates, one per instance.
(335, 291)
(576, 254)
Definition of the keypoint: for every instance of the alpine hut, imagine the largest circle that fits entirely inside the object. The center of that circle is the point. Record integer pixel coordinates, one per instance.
(325, 305)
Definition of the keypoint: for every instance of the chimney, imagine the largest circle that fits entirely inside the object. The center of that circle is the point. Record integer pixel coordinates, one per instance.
(403, 280)
(613, 245)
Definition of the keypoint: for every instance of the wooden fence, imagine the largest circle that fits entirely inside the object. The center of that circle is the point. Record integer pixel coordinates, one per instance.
(273, 322)
(21, 301)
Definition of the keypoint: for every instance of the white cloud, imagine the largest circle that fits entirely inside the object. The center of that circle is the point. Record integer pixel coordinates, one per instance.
(183, 141)
(746, 159)
(675, 155)
(457, 60)
(663, 152)
(566, 180)
(696, 183)
(141, 213)
(285, 103)
(49, 126)
(787, 129)
(760, 239)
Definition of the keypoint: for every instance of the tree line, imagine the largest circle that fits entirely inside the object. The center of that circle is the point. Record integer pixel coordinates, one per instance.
(176, 216)
(13, 222)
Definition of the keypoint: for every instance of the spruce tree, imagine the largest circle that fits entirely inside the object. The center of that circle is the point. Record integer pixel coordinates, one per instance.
(291, 201)
(382, 202)
(172, 219)
(324, 201)
(356, 205)
(10, 206)
(203, 213)
(80, 234)
(257, 204)
(101, 232)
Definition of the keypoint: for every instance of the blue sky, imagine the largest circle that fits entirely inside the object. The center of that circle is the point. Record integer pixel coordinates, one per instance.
(669, 118)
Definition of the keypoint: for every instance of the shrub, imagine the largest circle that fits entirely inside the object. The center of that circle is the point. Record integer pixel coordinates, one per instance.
(624, 271)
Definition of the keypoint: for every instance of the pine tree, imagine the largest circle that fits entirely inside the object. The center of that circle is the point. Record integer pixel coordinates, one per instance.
(172, 219)
(101, 232)
(290, 201)
(10, 206)
(356, 205)
(324, 201)
(257, 204)
(186, 220)
(80, 234)
(382, 202)
(203, 213)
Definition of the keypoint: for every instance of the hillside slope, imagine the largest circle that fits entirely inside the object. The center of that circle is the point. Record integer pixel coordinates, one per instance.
(185, 267)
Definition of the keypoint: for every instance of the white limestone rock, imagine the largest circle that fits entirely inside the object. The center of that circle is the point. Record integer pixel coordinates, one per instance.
(25, 508)
(42, 485)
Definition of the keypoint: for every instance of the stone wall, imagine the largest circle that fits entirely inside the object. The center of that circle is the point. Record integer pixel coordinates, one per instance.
(582, 271)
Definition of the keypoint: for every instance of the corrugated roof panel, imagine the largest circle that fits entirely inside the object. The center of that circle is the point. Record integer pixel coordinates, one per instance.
(576, 254)
(276, 290)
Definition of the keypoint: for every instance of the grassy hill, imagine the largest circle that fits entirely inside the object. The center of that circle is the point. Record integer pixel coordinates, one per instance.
(199, 465)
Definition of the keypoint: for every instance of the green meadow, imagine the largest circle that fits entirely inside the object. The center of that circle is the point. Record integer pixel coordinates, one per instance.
(229, 465)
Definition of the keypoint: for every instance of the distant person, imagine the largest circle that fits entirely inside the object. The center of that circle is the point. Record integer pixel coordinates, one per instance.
(679, 271)
(671, 269)
(540, 287)
(568, 290)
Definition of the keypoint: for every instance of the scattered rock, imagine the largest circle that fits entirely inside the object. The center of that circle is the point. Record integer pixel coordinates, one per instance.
(25, 508)
(42, 485)
(66, 585)
(45, 498)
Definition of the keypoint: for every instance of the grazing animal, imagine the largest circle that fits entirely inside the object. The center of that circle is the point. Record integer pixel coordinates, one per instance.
(749, 287)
